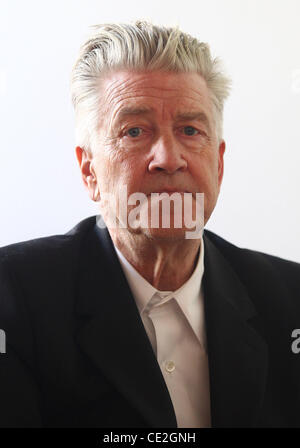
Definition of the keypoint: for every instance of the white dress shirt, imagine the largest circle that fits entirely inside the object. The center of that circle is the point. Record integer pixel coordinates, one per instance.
(174, 322)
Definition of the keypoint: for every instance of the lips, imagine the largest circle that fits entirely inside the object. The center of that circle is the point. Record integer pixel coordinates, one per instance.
(170, 190)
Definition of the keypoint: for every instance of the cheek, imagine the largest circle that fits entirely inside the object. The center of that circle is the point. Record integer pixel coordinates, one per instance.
(205, 172)
(131, 174)
(116, 169)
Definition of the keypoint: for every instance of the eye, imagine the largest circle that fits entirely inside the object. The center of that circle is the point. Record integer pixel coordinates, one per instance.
(189, 130)
(134, 132)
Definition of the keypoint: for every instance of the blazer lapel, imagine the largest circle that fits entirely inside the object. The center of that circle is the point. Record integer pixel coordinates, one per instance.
(114, 336)
(238, 356)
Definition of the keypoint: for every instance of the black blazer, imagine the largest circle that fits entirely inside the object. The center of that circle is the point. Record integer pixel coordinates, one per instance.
(77, 354)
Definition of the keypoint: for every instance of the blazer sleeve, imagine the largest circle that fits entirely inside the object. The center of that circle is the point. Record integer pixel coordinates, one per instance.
(19, 391)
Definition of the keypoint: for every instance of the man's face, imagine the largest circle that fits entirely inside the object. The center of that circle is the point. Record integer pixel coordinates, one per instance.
(157, 132)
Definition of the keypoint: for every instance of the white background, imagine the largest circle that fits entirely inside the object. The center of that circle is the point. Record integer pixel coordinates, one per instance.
(41, 190)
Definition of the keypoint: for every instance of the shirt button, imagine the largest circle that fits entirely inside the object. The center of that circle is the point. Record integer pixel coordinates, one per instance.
(170, 366)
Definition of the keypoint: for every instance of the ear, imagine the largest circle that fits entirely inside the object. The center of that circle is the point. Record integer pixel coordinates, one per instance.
(222, 147)
(85, 160)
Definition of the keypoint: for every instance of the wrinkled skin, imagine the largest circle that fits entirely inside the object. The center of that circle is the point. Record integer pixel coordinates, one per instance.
(155, 145)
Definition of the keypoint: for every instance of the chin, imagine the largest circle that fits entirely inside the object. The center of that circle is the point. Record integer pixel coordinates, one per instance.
(165, 234)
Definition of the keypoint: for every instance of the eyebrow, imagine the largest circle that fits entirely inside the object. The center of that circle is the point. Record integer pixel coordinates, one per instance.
(133, 111)
(193, 116)
(183, 116)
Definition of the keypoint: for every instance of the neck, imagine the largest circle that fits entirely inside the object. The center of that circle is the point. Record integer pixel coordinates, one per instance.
(165, 263)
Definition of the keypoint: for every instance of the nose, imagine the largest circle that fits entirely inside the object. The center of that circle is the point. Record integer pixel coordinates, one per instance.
(167, 155)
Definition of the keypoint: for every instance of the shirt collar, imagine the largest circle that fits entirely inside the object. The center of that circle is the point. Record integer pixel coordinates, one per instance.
(143, 291)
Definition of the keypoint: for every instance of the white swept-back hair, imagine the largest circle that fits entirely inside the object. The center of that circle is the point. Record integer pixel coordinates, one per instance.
(138, 46)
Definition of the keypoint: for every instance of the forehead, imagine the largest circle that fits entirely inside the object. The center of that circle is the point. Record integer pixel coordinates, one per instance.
(156, 90)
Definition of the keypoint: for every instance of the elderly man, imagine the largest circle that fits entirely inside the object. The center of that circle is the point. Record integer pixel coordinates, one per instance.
(122, 323)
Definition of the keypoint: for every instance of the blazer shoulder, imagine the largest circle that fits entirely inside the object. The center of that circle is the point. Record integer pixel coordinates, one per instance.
(36, 278)
(257, 264)
(45, 249)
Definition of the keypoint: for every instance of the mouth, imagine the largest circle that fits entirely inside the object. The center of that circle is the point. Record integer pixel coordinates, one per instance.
(170, 191)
